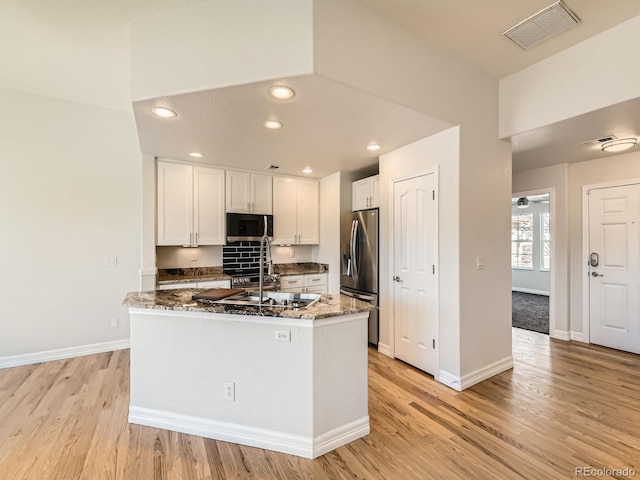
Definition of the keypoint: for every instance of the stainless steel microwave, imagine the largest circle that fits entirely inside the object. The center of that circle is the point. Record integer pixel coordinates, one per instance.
(248, 226)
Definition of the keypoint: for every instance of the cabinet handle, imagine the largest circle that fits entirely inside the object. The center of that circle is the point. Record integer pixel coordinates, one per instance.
(315, 279)
(191, 238)
(196, 242)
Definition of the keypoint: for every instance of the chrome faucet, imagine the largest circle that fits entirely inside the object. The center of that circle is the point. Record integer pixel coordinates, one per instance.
(265, 248)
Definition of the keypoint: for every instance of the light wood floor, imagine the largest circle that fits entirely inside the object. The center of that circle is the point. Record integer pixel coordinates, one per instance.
(564, 405)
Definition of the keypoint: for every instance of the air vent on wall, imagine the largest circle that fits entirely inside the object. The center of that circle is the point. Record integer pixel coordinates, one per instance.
(547, 23)
(598, 141)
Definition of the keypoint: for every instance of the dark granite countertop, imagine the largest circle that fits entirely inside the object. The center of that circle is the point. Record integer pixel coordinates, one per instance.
(184, 275)
(300, 268)
(202, 274)
(180, 300)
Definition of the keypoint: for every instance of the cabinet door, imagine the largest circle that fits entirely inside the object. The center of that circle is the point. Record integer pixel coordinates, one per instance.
(308, 212)
(262, 194)
(318, 290)
(175, 204)
(284, 210)
(172, 286)
(361, 191)
(208, 206)
(238, 197)
(375, 191)
(215, 284)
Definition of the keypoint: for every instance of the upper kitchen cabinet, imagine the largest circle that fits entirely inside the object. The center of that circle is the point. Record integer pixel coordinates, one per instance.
(295, 211)
(190, 205)
(366, 193)
(249, 193)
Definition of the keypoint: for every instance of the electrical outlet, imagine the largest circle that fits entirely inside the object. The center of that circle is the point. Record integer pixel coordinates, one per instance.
(194, 256)
(292, 252)
(283, 335)
(479, 263)
(111, 261)
(230, 391)
(114, 322)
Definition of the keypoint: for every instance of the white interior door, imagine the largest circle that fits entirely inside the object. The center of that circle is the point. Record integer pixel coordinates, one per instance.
(414, 263)
(614, 267)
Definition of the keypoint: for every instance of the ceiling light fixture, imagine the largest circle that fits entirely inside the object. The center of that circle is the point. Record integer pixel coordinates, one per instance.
(523, 202)
(307, 170)
(196, 155)
(272, 124)
(163, 112)
(372, 147)
(281, 92)
(619, 145)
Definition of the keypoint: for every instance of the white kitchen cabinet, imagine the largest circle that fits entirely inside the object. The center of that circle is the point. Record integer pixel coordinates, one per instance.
(203, 284)
(309, 283)
(249, 193)
(295, 211)
(366, 193)
(190, 205)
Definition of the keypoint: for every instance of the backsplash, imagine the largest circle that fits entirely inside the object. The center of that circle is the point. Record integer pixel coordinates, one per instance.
(241, 255)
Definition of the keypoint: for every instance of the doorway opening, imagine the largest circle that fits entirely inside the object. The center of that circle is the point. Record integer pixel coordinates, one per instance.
(531, 251)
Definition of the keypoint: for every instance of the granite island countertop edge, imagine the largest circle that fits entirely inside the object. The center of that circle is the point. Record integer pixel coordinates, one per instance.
(329, 305)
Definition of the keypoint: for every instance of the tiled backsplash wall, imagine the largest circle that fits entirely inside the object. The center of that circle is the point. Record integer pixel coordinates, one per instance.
(245, 255)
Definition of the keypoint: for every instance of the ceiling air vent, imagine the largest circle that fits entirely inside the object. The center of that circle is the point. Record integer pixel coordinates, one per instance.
(598, 141)
(545, 24)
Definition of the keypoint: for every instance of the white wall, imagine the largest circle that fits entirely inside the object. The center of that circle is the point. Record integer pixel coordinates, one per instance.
(329, 249)
(536, 280)
(542, 180)
(69, 196)
(593, 74)
(440, 150)
(603, 170)
(219, 44)
(358, 47)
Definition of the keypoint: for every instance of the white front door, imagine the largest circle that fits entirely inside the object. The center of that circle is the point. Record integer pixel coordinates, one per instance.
(614, 267)
(414, 263)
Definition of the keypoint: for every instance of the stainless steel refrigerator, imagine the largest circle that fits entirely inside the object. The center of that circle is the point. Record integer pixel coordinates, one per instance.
(359, 270)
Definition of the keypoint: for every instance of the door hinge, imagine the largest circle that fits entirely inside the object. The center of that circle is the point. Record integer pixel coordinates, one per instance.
(434, 343)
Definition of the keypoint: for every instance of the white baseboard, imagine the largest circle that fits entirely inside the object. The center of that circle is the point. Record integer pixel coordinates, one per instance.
(561, 335)
(530, 290)
(384, 349)
(579, 337)
(62, 353)
(470, 379)
(299, 445)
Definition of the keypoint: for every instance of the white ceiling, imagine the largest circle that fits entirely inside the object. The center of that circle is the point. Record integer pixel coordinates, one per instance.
(81, 43)
(326, 127)
(472, 29)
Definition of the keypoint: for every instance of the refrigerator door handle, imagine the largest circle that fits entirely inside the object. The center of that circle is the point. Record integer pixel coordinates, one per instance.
(359, 296)
(354, 258)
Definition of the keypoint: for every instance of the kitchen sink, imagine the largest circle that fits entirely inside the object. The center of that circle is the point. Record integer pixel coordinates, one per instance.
(271, 299)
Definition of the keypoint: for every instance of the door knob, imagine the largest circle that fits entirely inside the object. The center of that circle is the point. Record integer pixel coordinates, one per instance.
(397, 279)
(596, 274)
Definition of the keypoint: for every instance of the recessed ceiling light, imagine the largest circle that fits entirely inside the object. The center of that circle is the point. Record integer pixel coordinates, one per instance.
(281, 92)
(307, 170)
(372, 147)
(272, 124)
(619, 145)
(163, 112)
(196, 155)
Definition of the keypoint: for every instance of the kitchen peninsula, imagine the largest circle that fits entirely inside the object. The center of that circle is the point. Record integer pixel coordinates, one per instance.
(289, 380)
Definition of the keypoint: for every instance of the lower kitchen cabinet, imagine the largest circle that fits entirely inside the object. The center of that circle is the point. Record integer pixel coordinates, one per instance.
(203, 284)
(310, 283)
